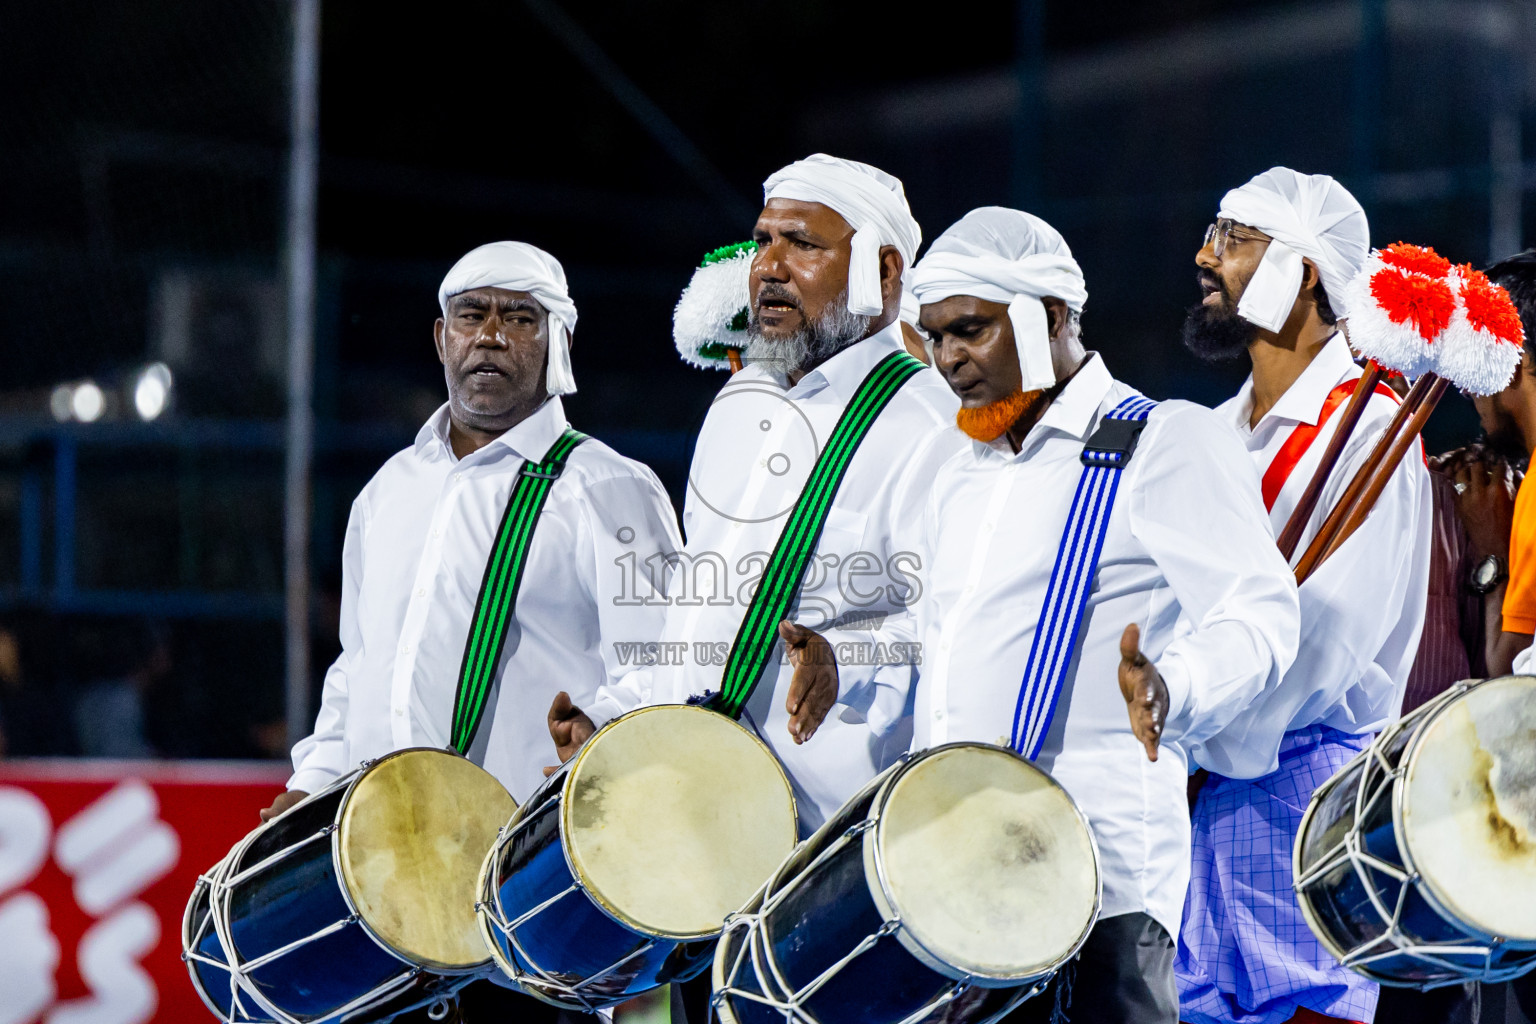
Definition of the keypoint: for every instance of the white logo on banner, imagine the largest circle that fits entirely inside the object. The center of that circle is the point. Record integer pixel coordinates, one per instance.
(113, 850)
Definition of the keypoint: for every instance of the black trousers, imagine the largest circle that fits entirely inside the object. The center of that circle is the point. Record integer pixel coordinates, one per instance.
(1124, 975)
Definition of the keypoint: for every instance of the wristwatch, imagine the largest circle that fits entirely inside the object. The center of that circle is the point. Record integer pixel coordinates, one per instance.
(1487, 574)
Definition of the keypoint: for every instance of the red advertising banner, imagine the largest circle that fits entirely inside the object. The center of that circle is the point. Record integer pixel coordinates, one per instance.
(97, 860)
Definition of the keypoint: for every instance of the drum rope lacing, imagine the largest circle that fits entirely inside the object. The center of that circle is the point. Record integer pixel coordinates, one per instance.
(1396, 942)
(492, 915)
(761, 951)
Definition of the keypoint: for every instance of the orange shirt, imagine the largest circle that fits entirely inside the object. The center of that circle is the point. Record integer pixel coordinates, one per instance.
(1520, 593)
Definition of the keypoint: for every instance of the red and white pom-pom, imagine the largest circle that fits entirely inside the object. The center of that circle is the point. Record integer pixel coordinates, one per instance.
(1482, 345)
(1399, 306)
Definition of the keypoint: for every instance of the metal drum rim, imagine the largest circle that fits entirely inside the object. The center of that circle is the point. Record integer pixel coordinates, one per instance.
(1303, 900)
(205, 883)
(344, 784)
(592, 892)
(885, 901)
(760, 902)
(1426, 886)
(362, 772)
(489, 912)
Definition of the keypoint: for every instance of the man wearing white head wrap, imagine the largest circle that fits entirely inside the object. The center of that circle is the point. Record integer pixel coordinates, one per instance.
(520, 267)
(872, 202)
(834, 240)
(422, 532)
(1187, 561)
(1273, 269)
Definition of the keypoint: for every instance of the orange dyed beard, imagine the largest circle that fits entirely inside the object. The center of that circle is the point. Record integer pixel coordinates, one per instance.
(989, 422)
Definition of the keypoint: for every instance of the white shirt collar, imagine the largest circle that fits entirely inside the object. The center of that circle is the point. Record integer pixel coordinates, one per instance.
(1303, 400)
(1074, 412)
(529, 439)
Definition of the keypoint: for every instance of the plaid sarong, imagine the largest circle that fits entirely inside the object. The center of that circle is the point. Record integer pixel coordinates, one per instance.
(1245, 954)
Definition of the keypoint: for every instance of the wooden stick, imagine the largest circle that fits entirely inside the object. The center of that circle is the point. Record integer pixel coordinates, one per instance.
(734, 355)
(1383, 472)
(1297, 523)
(1362, 478)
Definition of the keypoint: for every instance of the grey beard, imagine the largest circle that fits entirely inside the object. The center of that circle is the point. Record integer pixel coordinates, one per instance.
(816, 342)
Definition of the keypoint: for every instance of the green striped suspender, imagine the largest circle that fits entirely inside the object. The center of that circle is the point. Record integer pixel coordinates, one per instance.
(498, 590)
(785, 571)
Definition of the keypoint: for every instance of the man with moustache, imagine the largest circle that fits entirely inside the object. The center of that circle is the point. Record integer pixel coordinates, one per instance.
(1274, 268)
(825, 292)
(422, 530)
(1189, 605)
(833, 241)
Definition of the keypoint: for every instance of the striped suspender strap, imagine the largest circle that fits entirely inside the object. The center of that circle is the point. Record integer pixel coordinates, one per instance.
(785, 570)
(1077, 561)
(498, 590)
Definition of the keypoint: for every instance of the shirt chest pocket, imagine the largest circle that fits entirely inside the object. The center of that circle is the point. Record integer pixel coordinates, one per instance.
(840, 547)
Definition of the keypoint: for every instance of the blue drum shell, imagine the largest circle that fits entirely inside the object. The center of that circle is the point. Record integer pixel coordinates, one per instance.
(212, 981)
(1341, 900)
(820, 921)
(573, 938)
(292, 900)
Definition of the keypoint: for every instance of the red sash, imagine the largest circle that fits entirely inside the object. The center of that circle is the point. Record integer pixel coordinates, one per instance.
(1301, 439)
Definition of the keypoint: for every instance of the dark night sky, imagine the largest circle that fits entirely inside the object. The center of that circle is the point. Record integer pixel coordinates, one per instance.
(152, 135)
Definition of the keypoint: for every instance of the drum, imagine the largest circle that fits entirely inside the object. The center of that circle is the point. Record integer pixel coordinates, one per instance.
(952, 888)
(616, 876)
(356, 904)
(1415, 865)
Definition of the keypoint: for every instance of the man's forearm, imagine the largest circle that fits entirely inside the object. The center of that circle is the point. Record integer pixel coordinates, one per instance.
(1499, 646)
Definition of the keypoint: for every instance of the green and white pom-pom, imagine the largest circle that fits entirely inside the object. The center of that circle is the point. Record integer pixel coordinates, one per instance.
(711, 316)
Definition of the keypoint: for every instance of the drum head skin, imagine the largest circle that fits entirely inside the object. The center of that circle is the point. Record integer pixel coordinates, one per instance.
(414, 831)
(673, 816)
(988, 861)
(1469, 807)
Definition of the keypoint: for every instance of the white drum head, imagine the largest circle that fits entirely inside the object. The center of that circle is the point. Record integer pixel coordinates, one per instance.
(413, 834)
(1469, 807)
(988, 862)
(673, 817)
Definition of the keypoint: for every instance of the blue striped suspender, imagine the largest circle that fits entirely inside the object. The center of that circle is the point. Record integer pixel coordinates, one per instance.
(1077, 560)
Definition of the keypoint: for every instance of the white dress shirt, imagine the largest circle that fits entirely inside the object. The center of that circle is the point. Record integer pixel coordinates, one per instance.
(754, 454)
(1362, 611)
(416, 548)
(1188, 557)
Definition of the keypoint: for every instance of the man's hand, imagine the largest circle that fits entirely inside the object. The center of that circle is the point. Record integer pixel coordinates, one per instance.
(282, 803)
(1484, 501)
(813, 687)
(569, 727)
(1145, 693)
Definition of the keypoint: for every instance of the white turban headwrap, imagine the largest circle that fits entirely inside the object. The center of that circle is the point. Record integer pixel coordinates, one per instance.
(1307, 215)
(1004, 255)
(520, 267)
(872, 202)
(911, 309)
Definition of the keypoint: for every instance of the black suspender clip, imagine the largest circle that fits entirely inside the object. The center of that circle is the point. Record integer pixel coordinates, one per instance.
(1111, 445)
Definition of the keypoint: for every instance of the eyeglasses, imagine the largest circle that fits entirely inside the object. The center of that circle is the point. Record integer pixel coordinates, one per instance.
(1227, 231)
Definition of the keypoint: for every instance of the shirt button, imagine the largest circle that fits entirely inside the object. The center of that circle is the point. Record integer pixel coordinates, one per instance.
(938, 716)
(990, 524)
(421, 592)
(399, 713)
(458, 476)
(437, 533)
(405, 648)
